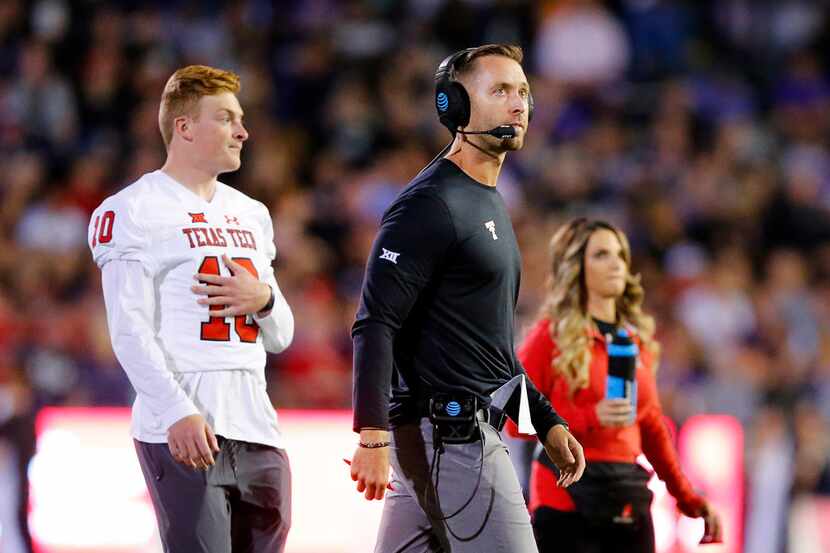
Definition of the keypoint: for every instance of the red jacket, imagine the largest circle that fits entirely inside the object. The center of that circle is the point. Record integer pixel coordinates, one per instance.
(619, 444)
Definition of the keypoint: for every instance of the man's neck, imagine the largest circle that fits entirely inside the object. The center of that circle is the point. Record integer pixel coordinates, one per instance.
(475, 161)
(200, 182)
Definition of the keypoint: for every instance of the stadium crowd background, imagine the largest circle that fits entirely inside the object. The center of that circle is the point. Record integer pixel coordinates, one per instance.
(700, 127)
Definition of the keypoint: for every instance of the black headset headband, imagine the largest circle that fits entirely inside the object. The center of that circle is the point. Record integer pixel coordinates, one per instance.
(446, 69)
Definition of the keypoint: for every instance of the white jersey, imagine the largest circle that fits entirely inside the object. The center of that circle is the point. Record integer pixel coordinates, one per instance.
(150, 240)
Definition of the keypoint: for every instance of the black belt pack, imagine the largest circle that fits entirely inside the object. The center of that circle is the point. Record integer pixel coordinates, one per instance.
(454, 417)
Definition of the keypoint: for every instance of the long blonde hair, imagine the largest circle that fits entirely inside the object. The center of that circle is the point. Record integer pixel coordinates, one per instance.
(566, 304)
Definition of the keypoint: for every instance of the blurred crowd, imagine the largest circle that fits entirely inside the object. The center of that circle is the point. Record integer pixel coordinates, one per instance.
(701, 128)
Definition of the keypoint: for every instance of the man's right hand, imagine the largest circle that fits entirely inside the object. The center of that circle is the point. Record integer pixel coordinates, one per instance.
(192, 442)
(615, 412)
(566, 453)
(370, 466)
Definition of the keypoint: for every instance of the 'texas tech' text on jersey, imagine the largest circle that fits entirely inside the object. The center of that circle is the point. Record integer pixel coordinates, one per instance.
(175, 234)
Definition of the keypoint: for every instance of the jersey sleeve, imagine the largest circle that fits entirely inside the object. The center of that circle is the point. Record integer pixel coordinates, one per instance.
(415, 236)
(116, 232)
(277, 325)
(129, 297)
(657, 443)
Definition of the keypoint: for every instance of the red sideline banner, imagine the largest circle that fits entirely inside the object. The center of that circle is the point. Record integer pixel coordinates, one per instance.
(88, 494)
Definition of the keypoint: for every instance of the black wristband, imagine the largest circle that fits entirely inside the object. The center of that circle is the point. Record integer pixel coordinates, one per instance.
(270, 305)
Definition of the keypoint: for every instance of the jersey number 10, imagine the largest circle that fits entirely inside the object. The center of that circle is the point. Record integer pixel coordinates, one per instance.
(103, 234)
(217, 329)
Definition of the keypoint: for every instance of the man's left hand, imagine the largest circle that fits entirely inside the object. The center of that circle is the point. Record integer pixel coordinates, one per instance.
(566, 453)
(239, 294)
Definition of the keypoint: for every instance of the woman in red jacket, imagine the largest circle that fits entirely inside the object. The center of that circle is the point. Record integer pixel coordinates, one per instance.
(594, 355)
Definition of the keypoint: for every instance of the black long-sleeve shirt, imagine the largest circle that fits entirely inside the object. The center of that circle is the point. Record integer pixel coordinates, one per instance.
(436, 312)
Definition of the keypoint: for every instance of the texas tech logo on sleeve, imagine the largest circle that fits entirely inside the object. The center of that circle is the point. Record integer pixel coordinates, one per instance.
(491, 226)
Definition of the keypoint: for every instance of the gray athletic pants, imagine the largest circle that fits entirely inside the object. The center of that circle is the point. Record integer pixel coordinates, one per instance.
(496, 519)
(242, 504)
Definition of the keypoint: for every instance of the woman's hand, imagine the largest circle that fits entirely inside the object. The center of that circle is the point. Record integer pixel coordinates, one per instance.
(615, 412)
(713, 528)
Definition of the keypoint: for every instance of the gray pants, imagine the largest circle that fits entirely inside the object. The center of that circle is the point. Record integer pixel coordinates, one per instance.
(242, 504)
(495, 521)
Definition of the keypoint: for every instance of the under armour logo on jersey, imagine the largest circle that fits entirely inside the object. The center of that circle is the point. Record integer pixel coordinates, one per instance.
(491, 226)
(389, 255)
(231, 220)
(197, 217)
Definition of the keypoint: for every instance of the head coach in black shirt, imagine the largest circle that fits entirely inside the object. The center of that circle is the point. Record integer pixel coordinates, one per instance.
(435, 370)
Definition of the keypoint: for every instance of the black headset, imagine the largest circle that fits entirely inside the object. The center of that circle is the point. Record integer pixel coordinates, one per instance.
(451, 98)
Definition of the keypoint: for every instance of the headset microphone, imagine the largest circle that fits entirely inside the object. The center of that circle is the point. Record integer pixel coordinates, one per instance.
(501, 132)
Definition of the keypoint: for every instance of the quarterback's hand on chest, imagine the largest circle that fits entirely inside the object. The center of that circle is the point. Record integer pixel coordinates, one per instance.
(239, 294)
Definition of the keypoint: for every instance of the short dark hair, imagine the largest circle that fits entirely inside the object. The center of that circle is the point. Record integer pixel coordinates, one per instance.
(464, 64)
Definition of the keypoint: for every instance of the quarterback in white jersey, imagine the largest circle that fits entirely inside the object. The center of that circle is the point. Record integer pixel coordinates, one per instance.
(192, 306)
(159, 235)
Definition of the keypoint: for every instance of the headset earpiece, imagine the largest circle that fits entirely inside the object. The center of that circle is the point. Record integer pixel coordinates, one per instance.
(453, 105)
(451, 99)
(529, 107)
